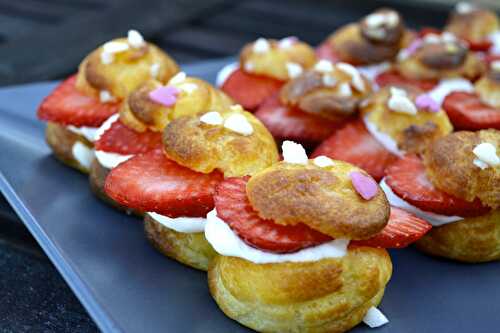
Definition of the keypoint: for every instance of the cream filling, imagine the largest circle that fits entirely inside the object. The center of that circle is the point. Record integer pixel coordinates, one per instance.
(447, 86)
(88, 133)
(83, 154)
(383, 138)
(435, 219)
(186, 225)
(225, 72)
(227, 243)
(107, 159)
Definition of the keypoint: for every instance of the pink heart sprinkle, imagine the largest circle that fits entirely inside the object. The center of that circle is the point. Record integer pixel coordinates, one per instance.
(414, 46)
(366, 187)
(426, 102)
(165, 95)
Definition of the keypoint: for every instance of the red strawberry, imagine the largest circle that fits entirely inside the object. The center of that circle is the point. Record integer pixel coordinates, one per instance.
(325, 51)
(123, 140)
(67, 106)
(354, 144)
(428, 30)
(467, 112)
(151, 182)
(234, 208)
(250, 90)
(407, 178)
(482, 46)
(403, 229)
(291, 124)
(393, 78)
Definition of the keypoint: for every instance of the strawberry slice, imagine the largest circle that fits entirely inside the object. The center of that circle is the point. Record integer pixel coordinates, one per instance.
(467, 112)
(407, 178)
(250, 90)
(292, 124)
(151, 182)
(67, 106)
(325, 51)
(393, 78)
(403, 229)
(123, 140)
(481, 46)
(354, 144)
(235, 209)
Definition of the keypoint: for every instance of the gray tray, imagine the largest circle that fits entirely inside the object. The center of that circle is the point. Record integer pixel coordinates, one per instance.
(127, 287)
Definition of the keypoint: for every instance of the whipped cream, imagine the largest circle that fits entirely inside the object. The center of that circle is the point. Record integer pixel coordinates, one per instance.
(227, 243)
(83, 154)
(383, 138)
(88, 133)
(435, 219)
(226, 72)
(107, 159)
(447, 86)
(186, 225)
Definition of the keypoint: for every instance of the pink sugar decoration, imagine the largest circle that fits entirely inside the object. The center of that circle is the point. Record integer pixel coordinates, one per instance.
(165, 95)
(366, 187)
(426, 102)
(414, 46)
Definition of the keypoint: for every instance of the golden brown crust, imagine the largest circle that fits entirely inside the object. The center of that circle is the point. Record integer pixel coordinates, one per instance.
(322, 198)
(330, 295)
(97, 177)
(273, 63)
(449, 165)
(473, 239)
(309, 93)
(141, 113)
(411, 132)
(473, 26)
(434, 62)
(61, 141)
(488, 88)
(205, 148)
(127, 71)
(191, 249)
(351, 46)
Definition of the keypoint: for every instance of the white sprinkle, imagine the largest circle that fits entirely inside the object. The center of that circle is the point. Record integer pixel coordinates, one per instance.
(135, 39)
(238, 123)
(294, 153)
(323, 66)
(375, 20)
(464, 7)
(287, 42)
(107, 58)
(375, 318)
(480, 164)
(178, 78)
(487, 153)
(293, 69)
(356, 79)
(329, 80)
(105, 96)
(344, 90)
(249, 67)
(115, 47)
(323, 161)
(402, 104)
(261, 45)
(188, 87)
(495, 65)
(154, 70)
(212, 118)
(448, 37)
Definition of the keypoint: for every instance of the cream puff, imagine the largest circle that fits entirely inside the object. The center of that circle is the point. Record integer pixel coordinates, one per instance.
(264, 66)
(142, 117)
(310, 107)
(301, 245)
(393, 121)
(81, 103)
(456, 187)
(175, 183)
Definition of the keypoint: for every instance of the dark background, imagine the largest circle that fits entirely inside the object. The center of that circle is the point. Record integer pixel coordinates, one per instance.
(45, 40)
